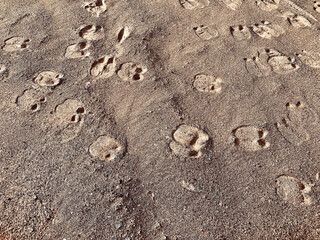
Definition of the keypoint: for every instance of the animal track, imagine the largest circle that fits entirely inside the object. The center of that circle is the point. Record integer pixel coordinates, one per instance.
(270, 59)
(103, 67)
(267, 30)
(233, 4)
(205, 32)
(123, 34)
(256, 67)
(282, 64)
(78, 50)
(70, 111)
(250, 138)
(293, 190)
(131, 72)
(205, 83)
(268, 5)
(69, 118)
(297, 21)
(188, 141)
(105, 148)
(48, 79)
(240, 32)
(96, 6)
(310, 59)
(316, 6)
(292, 132)
(15, 44)
(92, 32)
(298, 118)
(31, 100)
(194, 4)
(300, 113)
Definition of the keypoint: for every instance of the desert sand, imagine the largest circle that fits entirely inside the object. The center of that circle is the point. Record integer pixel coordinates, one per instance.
(159, 119)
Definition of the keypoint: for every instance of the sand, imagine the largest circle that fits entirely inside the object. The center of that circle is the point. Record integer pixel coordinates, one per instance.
(159, 119)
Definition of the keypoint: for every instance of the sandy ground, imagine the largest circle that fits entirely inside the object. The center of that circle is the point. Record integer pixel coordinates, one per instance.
(159, 119)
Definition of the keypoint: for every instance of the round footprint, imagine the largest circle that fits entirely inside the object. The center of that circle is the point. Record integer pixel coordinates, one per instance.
(105, 148)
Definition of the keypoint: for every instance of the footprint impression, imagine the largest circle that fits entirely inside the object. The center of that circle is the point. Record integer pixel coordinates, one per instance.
(188, 141)
(96, 6)
(293, 190)
(206, 83)
(233, 4)
(105, 148)
(310, 59)
(267, 30)
(194, 4)
(78, 50)
(297, 21)
(31, 100)
(240, 32)
(69, 119)
(104, 67)
(15, 44)
(48, 79)
(263, 30)
(92, 32)
(268, 5)
(206, 32)
(293, 127)
(131, 72)
(250, 138)
(268, 60)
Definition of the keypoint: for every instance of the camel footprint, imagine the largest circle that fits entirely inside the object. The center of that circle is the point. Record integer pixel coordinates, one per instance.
(78, 50)
(297, 21)
(15, 44)
(268, 60)
(69, 119)
(293, 190)
(105, 148)
(263, 30)
(258, 65)
(311, 59)
(250, 138)
(268, 5)
(206, 83)
(267, 30)
(194, 4)
(292, 132)
(48, 79)
(96, 6)
(31, 100)
(206, 32)
(92, 32)
(131, 72)
(300, 113)
(293, 127)
(188, 141)
(104, 67)
(240, 32)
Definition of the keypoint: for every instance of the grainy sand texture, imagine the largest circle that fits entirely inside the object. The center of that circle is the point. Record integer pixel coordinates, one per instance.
(159, 119)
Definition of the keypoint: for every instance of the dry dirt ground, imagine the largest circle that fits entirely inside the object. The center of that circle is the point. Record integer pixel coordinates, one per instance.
(159, 119)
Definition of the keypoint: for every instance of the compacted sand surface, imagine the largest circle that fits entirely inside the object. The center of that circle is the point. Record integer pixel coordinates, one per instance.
(159, 119)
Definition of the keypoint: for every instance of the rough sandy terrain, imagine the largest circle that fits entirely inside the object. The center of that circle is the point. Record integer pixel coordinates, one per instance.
(159, 119)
